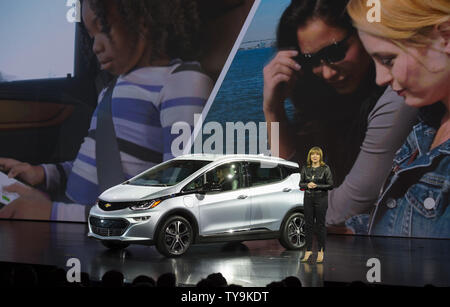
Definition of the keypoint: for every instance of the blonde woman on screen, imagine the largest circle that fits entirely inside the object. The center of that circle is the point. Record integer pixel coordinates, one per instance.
(411, 49)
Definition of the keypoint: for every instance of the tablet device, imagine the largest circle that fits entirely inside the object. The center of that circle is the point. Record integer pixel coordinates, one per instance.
(6, 197)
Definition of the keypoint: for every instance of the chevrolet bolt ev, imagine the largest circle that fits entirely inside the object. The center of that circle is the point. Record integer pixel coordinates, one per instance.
(203, 198)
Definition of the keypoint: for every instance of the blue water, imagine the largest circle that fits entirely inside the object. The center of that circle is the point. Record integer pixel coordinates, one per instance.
(240, 98)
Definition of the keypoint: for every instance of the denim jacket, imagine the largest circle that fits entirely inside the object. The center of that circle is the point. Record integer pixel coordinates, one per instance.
(415, 200)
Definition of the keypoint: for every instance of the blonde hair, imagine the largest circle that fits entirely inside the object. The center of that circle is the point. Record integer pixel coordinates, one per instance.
(315, 150)
(402, 21)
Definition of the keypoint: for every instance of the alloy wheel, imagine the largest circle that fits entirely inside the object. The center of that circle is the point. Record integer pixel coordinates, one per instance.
(296, 231)
(177, 237)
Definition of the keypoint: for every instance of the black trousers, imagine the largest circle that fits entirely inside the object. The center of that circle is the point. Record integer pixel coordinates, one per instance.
(315, 209)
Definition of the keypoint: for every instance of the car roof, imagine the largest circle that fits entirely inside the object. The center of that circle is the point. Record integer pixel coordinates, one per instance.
(224, 158)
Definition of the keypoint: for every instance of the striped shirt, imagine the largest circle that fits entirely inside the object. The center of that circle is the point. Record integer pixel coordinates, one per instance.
(145, 104)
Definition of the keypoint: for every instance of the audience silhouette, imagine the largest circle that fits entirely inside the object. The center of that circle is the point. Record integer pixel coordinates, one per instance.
(21, 276)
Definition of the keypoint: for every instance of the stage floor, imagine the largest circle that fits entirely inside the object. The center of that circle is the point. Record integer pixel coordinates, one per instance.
(404, 262)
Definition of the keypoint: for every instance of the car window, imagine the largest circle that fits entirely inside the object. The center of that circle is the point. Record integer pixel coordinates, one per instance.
(195, 184)
(263, 175)
(169, 174)
(227, 176)
(286, 171)
(37, 41)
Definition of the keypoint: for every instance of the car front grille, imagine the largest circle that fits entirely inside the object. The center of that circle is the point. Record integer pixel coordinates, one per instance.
(108, 227)
(111, 206)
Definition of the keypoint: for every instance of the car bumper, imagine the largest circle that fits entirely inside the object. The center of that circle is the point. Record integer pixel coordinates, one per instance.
(122, 225)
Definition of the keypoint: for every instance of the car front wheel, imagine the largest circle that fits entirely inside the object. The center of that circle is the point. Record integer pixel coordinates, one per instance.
(293, 232)
(174, 237)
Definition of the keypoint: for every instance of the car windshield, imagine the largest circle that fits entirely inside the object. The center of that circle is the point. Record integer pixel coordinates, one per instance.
(168, 174)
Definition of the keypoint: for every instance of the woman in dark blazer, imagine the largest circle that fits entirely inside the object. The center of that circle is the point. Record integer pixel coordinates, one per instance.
(316, 180)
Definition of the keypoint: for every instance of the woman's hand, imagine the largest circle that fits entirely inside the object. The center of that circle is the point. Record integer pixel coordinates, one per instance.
(312, 185)
(31, 174)
(31, 205)
(279, 78)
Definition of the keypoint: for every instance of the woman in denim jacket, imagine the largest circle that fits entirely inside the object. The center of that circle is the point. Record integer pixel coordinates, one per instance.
(411, 49)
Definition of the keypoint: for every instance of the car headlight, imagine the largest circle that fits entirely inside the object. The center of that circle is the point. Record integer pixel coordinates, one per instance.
(146, 204)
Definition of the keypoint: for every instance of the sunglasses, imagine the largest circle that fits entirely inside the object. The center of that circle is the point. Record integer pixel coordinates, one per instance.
(331, 54)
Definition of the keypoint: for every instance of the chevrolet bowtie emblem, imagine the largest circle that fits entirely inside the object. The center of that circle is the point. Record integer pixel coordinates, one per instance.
(107, 205)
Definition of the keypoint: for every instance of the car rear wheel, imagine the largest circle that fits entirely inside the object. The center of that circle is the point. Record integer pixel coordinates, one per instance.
(293, 232)
(115, 245)
(174, 237)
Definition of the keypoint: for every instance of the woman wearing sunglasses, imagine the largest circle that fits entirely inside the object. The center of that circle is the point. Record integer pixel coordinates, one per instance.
(322, 67)
(411, 49)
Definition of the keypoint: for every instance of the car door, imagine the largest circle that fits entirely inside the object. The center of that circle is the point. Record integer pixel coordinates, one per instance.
(228, 210)
(272, 195)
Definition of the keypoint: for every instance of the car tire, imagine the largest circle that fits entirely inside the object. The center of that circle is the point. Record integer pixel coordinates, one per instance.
(115, 245)
(174, 237)
(293, 232)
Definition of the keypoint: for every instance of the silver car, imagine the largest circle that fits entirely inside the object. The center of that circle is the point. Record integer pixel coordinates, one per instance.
(203, 198)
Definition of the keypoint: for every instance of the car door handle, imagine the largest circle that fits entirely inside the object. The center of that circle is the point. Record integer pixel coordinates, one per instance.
(286, 190)
(242, 196)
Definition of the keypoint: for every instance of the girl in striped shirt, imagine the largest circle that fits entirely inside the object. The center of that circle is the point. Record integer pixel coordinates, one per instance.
(143, 43)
